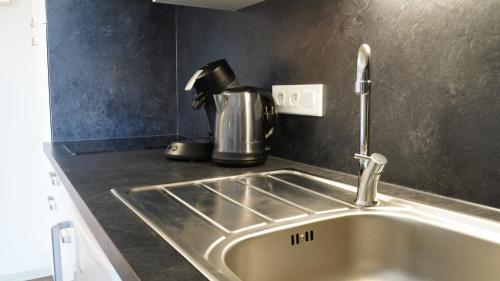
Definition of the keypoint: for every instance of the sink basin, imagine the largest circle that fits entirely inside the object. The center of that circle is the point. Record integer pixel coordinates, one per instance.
(376, 246)
(289, 225)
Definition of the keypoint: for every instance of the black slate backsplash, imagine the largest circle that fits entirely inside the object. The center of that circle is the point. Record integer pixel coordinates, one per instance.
(435, 72)
(112, 69)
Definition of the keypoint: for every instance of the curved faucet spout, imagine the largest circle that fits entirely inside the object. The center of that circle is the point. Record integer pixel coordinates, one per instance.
(363, 70)
(362, 88)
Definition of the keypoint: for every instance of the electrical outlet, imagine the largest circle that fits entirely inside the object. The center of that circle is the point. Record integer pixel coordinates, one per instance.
(299, 99)
(280, 98)
(294, 99)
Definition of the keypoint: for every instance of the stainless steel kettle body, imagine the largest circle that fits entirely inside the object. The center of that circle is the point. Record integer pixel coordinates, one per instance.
(244, 120)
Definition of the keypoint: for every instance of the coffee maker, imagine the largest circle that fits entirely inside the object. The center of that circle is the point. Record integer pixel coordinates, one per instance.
(208, 81)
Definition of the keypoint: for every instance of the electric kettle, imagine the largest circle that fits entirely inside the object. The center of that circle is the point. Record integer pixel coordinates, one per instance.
(245, 119)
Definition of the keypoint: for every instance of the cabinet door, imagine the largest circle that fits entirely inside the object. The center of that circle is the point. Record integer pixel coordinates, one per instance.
(77, 256)
(89, 265)
(74, 258)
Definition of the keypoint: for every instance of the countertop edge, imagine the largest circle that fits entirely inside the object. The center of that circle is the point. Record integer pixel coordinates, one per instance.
(114, 255)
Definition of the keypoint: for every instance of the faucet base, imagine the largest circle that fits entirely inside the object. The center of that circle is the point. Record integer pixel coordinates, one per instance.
(363, 204)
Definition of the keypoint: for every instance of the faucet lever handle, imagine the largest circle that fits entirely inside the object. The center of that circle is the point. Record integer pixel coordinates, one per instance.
(377, 158)
(369, 178)
(376, 162)
(362, 157)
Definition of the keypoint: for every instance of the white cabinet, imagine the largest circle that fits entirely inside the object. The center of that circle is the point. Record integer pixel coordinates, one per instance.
(231, 5)
(76, 254)
(24, 122)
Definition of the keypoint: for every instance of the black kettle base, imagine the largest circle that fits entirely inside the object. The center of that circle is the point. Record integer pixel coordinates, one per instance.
(238, 160)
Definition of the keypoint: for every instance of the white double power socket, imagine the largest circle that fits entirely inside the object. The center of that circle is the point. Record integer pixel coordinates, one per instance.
(299, 99)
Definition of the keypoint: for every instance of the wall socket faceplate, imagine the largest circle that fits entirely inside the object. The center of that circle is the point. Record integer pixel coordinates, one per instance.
(299, 99)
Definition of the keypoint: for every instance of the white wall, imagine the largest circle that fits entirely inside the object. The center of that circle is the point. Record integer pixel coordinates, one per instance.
(24, 125)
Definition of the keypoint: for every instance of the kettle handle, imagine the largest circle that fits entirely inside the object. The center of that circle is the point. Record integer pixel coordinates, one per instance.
(270, 114)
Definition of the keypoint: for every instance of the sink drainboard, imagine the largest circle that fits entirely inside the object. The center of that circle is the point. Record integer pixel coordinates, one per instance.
(203, 212)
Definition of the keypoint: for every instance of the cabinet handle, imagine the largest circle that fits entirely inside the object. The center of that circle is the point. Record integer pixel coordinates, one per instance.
(35, 23)
(54, 180)
(52, 203)
(57, 238)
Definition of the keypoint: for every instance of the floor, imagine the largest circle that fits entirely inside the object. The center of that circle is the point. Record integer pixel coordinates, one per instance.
(43, 279)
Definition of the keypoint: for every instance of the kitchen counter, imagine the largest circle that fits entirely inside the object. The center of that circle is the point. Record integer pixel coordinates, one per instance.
(135, 250)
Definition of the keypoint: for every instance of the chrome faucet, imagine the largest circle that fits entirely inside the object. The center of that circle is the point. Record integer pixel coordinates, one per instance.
(370, 167)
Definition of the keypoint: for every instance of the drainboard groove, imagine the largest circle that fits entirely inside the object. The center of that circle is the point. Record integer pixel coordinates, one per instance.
(196, 211)
(311, 191)
(239, 204)
(305, 209)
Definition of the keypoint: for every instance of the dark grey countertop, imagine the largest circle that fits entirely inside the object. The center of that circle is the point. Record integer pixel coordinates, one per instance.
(135, 250)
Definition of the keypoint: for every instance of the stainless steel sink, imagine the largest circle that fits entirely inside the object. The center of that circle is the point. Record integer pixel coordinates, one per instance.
(287, 225)
(372, 246)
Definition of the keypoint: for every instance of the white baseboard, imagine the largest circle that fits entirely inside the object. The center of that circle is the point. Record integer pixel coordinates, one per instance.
(27, 275)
